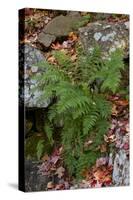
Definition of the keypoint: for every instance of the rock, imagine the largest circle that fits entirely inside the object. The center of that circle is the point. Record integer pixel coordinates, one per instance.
(121, 169)
(109, 36)
(33, 180)
(36, 181)
(28, 57)
(120, 159)
(58, 27)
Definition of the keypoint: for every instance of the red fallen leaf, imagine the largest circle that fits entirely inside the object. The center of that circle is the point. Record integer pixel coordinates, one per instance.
(107, 179)
(54, 159)
(97, 184)
(56, 152)
(126, 146)
(93, 183)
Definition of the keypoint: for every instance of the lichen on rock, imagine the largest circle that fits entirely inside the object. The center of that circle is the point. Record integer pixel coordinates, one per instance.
(109, 36)
(28, 59)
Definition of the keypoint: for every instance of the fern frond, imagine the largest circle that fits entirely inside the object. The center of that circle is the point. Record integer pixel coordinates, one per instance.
(89, 121)
(49, 132)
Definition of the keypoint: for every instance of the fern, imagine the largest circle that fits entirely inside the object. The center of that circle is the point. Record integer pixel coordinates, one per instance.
(83, 110)
(40, 148)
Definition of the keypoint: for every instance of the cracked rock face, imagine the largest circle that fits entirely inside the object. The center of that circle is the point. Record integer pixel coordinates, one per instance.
(58, 27)
(109, 36)
(28, 59)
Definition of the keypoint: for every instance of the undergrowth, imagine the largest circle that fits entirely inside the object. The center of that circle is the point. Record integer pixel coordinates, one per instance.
(80, 91)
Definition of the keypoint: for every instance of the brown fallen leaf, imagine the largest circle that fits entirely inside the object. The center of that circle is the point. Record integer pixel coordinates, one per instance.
(50, 185)
(60, 171)
(103, 175)
(114, 110)
(60, 186)
(45, 157)
(74, 57)
(103, 148)
(110, 139)
(56, 46)
(72, 36)
(122, 102)
(51, 59)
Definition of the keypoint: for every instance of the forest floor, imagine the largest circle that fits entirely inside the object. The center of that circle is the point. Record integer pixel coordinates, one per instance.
(100, 174)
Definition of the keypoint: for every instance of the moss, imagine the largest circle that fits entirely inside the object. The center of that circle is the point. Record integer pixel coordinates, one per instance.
(31, 146)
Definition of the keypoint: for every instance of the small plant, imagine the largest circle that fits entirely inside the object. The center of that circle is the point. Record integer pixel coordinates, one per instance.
(80, 89)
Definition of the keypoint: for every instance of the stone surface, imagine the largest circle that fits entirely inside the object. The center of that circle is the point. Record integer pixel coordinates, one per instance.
(33, 180)
(120, 159)
(121, 169)
(109, 36)
(28, 58)
(58, 27)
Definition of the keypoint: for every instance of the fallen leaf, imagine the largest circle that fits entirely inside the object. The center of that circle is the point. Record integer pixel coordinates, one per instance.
(98, 184)
(110, 139)
(60, 171)
(50, 185)
(45, 157)
(87, 143)
(54, 159)
(72, 36)
(101, 161)
(99, 174)
(56, 46)
(74, 57)
(51, 59)
(60, 186)
(114, 110)
(126, 146)
(122, 102)
(103, 148)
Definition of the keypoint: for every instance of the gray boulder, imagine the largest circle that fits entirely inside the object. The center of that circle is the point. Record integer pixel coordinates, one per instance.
(58, 27)
(109, 36)
(28, 58)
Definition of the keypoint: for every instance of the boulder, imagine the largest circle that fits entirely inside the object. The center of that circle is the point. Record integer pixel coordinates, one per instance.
(28, 59)
(109, 36)
(60, 26)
